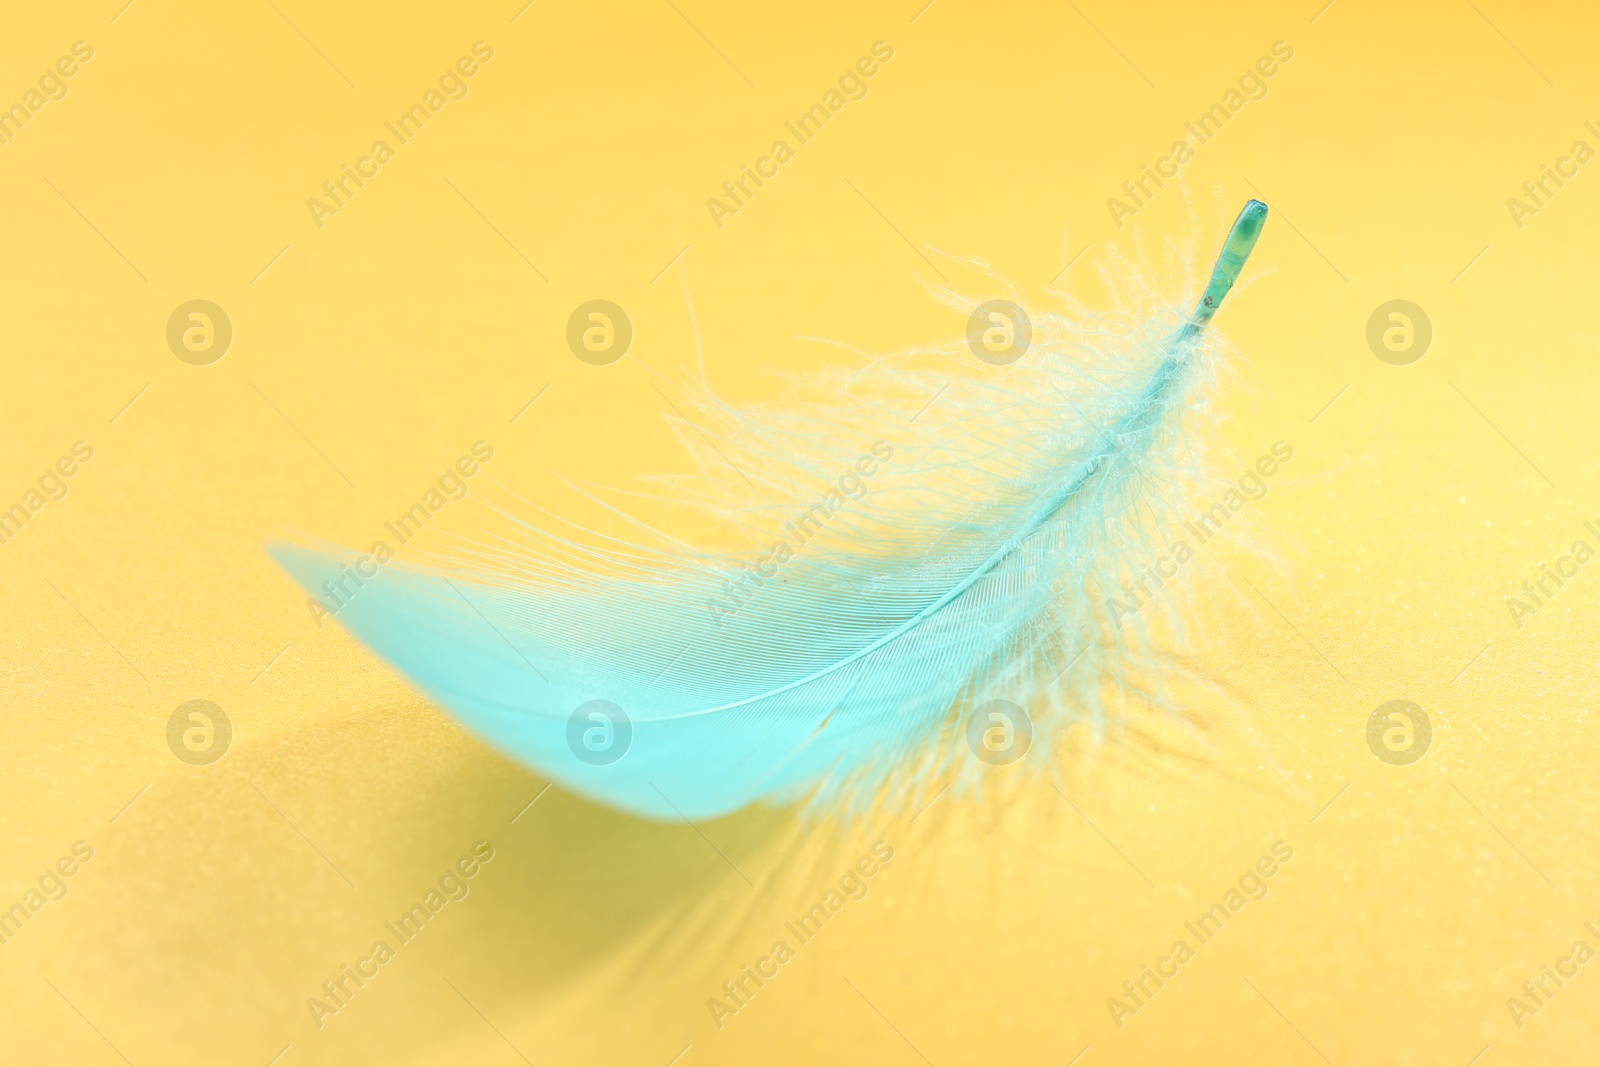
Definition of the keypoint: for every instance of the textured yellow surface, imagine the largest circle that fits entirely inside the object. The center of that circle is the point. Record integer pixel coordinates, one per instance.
(371, 350)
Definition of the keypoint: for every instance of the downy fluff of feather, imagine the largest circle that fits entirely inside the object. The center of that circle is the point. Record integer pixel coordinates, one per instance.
(980, 560)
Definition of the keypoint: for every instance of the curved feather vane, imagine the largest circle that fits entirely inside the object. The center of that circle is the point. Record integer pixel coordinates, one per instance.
(679, 685)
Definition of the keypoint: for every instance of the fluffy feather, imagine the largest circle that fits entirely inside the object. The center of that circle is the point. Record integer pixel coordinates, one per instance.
(981, 564)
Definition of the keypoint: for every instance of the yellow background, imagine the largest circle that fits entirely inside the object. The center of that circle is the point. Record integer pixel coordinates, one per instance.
(425, 315)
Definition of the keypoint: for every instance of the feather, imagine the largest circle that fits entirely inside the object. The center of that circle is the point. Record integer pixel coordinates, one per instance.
(678, 684)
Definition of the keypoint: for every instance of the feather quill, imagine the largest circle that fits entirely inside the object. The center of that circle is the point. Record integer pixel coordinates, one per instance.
(975, 570)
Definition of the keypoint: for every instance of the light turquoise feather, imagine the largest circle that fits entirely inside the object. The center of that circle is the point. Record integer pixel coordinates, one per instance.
(973, 571)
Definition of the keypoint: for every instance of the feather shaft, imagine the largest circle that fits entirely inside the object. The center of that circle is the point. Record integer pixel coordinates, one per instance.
(925, 607)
